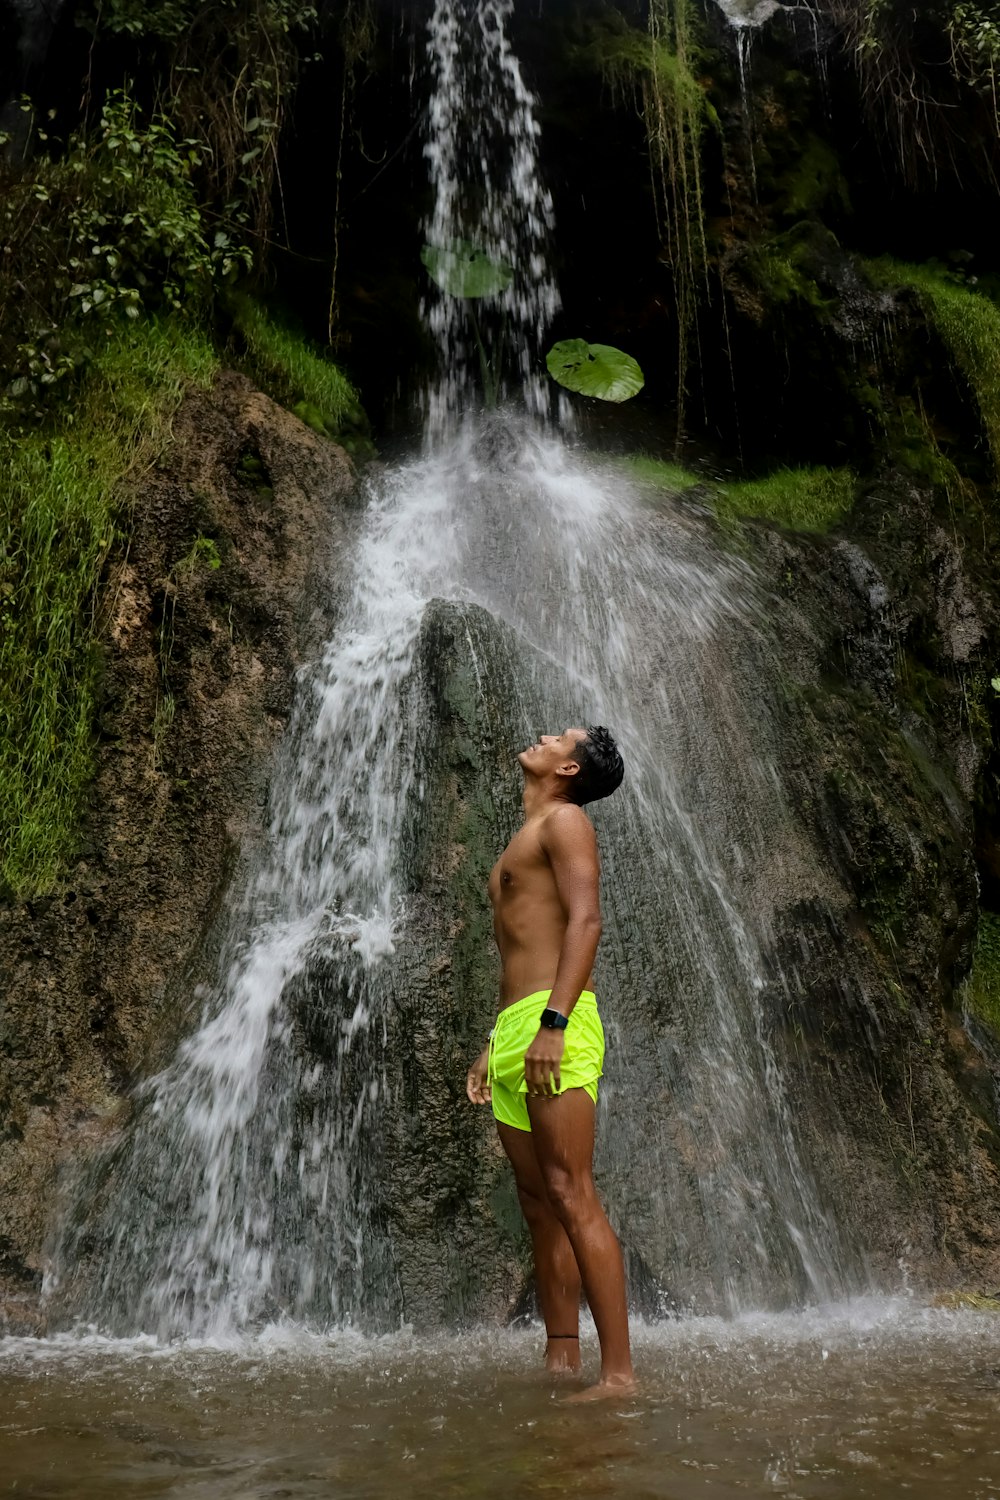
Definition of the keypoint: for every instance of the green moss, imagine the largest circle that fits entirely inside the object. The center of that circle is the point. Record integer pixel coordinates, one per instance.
(60, 510)
(969, 325)
(781, 269)
(814, 178)
(801, 499)
(982, 990)
(299, 374)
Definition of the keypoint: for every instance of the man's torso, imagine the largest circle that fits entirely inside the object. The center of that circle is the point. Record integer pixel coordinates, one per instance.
(529, 920)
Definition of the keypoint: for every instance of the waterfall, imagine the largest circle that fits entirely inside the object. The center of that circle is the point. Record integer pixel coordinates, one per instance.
(488, 194)
(251, 1182)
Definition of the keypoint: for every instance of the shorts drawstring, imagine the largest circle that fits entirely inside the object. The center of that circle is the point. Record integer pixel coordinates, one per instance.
(490, 1049)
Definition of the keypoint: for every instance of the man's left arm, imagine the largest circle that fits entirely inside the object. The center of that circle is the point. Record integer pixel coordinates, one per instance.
(569, 841)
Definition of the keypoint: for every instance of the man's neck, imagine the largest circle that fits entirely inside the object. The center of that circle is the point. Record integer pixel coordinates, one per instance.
(539, 797)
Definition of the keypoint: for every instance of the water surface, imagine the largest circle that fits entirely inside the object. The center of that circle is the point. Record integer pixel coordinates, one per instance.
(874, 1399)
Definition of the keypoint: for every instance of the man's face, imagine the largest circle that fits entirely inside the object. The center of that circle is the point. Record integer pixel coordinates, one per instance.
(552, 750)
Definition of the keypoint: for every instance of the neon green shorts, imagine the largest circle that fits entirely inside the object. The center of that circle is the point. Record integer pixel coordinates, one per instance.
(515, 1030)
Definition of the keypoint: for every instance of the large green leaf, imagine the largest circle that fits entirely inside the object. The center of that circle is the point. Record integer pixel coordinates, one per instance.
(595, 370)
(464, 270)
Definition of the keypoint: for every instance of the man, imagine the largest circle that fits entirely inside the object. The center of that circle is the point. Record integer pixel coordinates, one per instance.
(546, 1052)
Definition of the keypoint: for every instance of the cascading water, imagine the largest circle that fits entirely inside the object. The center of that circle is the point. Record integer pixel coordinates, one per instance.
(252, 1180)
(488, 199)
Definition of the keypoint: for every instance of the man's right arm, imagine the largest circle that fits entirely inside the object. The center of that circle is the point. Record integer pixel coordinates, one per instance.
(477, 1079)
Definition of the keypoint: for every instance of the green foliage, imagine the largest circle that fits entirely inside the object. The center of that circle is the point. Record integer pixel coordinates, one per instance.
(203, 553)
(812, 499)
(58, 521)
(969, 324)
(982, 990)
(465, 270)
(297, 372)
(896, 46)
(170, 19)
(113, 226)
(227, 71)
(595, 370)
(975, 39)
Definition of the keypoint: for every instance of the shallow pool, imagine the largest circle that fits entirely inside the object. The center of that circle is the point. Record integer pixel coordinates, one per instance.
(871, 1399)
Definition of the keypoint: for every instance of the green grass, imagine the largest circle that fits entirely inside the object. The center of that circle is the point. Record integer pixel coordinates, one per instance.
(664, 475)
(59, 516)
(298, 373)
(982, 989)
(801, 499)
(968, 322)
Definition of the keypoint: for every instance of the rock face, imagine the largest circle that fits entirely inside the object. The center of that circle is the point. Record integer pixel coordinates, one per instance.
(865, 902)
(228, 578)
(881, 755)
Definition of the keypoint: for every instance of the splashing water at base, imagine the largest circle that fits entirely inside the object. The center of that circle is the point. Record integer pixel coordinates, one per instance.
(832, 1407)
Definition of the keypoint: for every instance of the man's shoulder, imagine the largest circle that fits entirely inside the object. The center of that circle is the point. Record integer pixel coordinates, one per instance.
(568, 821)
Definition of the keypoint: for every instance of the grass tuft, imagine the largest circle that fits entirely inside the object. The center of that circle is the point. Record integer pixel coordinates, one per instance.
(801, 499)
(664, 475)
(297, 372)
(58, 520)
(968, 322)
(982, 989)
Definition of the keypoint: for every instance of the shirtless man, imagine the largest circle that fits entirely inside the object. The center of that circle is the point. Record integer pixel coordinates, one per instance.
(545, 1055)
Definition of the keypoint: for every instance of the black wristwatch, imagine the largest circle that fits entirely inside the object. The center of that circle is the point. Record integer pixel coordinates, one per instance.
(554, 1020)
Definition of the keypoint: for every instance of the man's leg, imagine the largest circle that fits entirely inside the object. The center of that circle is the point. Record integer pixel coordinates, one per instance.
(557, 1276)
(562, 1134)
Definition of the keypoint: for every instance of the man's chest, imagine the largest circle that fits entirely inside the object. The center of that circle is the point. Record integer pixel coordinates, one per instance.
(519, 867)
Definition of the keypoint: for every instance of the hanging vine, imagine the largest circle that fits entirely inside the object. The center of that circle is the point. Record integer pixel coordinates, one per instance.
(658, 68)
(917, 67)
(676, 111)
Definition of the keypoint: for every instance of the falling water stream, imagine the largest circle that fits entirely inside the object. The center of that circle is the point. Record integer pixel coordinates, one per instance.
(246, 1184)
(242, 1206)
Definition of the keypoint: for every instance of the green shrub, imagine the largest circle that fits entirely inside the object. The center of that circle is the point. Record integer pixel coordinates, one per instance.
(112, 227)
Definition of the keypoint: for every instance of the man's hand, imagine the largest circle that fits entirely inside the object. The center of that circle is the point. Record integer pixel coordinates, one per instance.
(542, 1062)
(476, 1085)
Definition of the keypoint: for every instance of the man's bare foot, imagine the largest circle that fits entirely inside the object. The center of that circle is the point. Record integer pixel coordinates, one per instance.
(611, 1389)
(562, 1356)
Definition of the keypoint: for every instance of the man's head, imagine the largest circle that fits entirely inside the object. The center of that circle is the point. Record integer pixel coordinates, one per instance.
(586, 760)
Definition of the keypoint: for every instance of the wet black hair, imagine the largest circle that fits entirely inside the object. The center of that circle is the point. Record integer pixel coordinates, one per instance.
(601, 768)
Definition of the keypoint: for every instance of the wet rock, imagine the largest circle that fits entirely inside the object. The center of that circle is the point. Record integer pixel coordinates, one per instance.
(225, 584)
(897, 1098)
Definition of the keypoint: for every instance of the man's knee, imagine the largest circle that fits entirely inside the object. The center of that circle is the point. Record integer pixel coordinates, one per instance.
(571, 1195)
(534, 1205)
